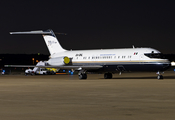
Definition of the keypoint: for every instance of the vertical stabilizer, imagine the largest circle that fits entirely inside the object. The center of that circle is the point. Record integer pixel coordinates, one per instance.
(51, 41)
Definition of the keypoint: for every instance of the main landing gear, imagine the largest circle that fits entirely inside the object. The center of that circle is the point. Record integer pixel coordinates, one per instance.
(108, 75)
(82, 75)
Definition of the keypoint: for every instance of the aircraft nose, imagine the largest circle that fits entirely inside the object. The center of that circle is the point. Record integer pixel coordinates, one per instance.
(166, 65)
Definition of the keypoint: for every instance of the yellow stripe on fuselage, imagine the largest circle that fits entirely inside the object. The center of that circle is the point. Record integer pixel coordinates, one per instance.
(131, 61)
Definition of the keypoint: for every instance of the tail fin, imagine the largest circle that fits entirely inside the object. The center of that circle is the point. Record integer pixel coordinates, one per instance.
(51, 41)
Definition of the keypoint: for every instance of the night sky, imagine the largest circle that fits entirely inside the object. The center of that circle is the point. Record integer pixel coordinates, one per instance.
(89, 24)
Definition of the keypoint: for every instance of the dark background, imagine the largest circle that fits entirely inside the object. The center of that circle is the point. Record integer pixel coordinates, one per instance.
(89, 24)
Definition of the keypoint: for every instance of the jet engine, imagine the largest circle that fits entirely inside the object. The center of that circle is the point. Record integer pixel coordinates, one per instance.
(59, 61)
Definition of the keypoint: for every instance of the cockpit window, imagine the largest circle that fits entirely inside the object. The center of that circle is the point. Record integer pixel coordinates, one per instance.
(154, 55)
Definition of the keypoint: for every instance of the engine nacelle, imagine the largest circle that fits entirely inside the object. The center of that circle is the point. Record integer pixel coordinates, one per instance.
(59, 61)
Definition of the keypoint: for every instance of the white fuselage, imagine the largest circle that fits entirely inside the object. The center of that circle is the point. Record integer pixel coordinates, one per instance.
(116, 57)
(110, 55)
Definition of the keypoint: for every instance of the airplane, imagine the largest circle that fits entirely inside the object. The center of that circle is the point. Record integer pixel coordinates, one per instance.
(107, 61)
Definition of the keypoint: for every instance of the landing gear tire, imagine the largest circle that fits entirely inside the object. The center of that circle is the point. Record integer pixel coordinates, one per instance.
(160, 77)
(82, 76)
(108, 75)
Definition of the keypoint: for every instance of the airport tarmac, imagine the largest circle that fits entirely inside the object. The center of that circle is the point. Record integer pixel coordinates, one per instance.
(131, 96)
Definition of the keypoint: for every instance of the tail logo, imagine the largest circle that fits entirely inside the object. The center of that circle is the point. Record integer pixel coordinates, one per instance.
(51, 42)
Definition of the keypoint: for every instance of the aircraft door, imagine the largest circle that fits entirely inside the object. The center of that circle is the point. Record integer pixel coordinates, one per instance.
(141, 59)
(121, 68)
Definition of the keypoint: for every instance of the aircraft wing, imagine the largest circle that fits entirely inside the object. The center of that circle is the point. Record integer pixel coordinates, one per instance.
(77, 67)
(87, 67)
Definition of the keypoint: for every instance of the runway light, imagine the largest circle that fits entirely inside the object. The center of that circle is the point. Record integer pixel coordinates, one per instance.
(72, 73)
(33, 60)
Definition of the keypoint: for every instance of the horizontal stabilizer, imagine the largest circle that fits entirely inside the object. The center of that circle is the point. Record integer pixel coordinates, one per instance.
(32, 32)
(20, 66)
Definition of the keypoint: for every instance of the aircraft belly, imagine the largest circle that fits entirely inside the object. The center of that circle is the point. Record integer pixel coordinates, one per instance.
(130, 66)
(144, 67)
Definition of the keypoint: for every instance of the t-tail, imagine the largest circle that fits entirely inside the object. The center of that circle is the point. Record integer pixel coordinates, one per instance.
(50, 39)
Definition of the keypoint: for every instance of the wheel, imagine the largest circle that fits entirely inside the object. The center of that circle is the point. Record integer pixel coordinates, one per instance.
(85, 76)
(82, 76)
(108, 75)
(159, 77)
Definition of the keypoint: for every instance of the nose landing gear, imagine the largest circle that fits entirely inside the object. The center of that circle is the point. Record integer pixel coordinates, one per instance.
(159, 75)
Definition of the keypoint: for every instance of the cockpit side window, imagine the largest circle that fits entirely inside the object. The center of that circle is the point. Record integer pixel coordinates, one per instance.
(154, 55)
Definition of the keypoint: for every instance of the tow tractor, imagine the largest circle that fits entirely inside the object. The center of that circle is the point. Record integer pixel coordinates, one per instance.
(40, 71)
